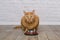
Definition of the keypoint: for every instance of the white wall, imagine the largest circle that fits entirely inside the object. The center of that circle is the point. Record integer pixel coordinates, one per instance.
(11, 11)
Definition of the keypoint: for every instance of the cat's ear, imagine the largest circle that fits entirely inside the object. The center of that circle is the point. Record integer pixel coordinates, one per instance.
(24, 12)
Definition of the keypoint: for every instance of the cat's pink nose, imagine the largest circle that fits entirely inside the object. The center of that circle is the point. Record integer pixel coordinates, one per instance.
(29, 19)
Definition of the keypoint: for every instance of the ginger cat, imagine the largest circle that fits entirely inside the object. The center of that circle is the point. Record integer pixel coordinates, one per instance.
(30, 21)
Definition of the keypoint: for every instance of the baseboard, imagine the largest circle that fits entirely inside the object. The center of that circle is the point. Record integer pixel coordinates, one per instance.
(50, 23)
(41, 23)
(9, 23)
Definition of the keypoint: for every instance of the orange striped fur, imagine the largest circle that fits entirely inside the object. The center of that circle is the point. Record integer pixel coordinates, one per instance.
(29, 21)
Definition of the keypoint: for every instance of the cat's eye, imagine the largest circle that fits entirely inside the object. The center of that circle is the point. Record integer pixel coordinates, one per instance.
(31, 16)
(26, 16)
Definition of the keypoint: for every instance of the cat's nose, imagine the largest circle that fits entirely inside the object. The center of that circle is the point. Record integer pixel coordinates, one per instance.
(29, 18)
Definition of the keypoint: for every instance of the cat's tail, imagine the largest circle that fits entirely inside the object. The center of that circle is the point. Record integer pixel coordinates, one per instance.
(17, 27)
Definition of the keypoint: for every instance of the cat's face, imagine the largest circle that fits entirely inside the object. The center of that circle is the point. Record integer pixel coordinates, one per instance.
(29, 16)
